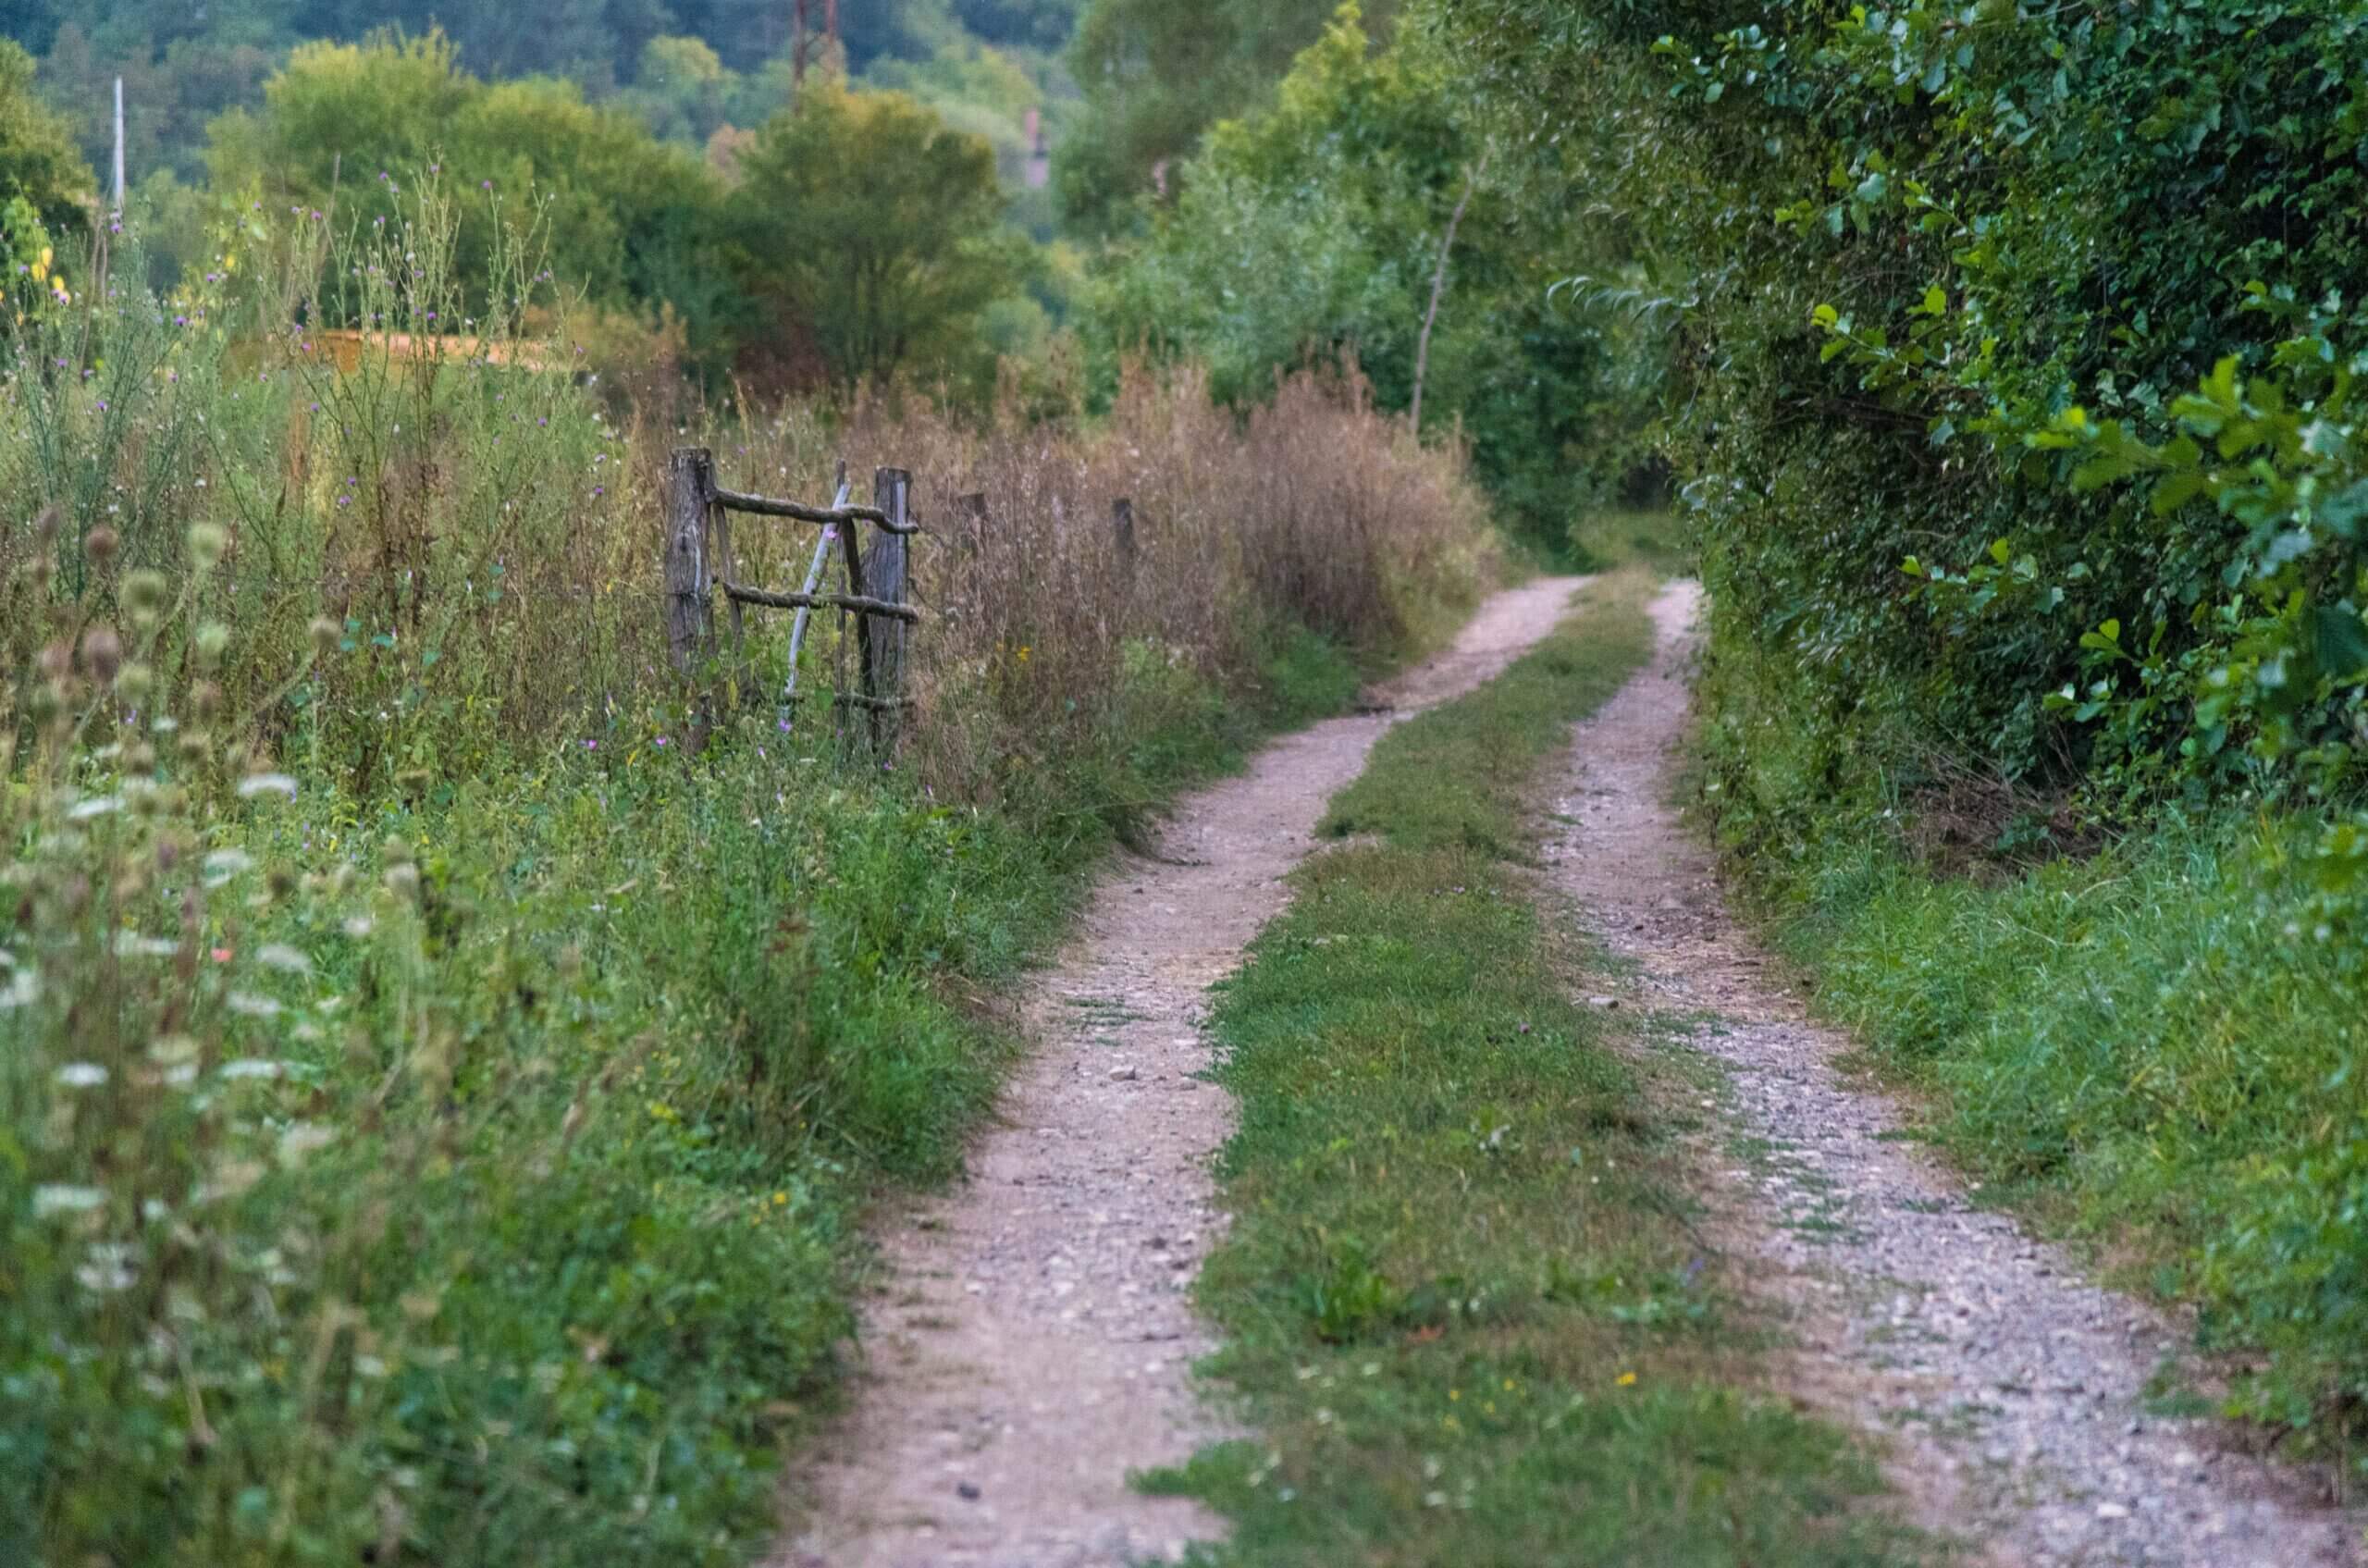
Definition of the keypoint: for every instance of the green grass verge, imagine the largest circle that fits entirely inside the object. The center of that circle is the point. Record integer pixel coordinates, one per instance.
(2157, 1050)
(2151, 1052)
(1462, 1296)
(593, 1066)
(1610, 538)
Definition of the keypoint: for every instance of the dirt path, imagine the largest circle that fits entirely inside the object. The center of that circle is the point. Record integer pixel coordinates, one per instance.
(1032, 1341)
(2014, 1388)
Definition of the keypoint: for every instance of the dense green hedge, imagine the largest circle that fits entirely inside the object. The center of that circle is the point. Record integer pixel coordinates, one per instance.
(2016, 345)
(1926, 253)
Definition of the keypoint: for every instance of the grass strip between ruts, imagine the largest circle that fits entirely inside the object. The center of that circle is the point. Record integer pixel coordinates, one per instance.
(1464, 1299)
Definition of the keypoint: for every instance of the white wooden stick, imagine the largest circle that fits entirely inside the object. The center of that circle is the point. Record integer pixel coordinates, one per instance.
(813, 576)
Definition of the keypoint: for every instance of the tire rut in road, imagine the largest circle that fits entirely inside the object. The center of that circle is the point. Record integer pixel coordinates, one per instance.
(2013, 1392)
(1030, 1340)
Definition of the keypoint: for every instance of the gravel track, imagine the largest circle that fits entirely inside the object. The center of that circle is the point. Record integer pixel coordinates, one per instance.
(1029, 1341)
(2010, 1389)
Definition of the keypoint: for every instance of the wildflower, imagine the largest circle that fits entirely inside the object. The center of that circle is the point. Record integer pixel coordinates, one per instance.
(109, 1268)
(55, 1198)
(224, 864)
(302, 1139)
(1627, 1379)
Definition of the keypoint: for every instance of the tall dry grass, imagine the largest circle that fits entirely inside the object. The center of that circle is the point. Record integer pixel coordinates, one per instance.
(1315, 513)
(433, 1116)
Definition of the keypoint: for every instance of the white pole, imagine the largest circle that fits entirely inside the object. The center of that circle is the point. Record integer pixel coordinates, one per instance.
(813, 578)
(118, 146)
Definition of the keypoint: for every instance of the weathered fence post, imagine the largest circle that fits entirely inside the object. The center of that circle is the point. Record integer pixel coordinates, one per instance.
(699, 562)
(1122, 520)
(690, 625)
(886, 571)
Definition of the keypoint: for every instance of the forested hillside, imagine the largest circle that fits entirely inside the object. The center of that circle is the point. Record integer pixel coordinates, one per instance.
(1043, 187)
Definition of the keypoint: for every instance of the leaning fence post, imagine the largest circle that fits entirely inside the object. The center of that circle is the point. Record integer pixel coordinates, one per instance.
(690, 626)
(1122, 522)
(886, 571)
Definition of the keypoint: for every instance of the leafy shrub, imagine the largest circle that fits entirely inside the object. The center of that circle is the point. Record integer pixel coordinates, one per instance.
(1918, 236)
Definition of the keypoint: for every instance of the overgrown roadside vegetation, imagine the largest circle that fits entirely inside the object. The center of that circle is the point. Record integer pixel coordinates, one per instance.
(2014, 357)
(1463, 1302)
(432, 1105)
(2145, 1047)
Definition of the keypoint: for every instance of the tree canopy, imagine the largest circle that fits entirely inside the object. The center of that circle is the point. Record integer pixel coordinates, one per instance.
(1156, 76)
(39, 168)
(344, 125)
(872, 232)
(1315, 225)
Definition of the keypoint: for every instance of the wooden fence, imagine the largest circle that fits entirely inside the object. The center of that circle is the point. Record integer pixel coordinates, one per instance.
(874, 595)
(702, 563)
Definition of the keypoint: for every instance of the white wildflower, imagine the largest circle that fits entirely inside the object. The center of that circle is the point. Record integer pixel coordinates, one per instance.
(302, 1139)
(224, 864)
(109, 1268)
(252, 1067)
(56, 1198)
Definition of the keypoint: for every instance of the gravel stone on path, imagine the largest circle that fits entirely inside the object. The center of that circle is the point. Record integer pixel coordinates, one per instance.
(2010, 1389)
(1030, 1338)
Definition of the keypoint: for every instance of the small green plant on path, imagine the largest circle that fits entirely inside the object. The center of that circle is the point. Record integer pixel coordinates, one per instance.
(1465, 1305)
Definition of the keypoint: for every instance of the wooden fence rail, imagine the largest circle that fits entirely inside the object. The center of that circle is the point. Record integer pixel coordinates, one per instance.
(700, 563)
(874, 603)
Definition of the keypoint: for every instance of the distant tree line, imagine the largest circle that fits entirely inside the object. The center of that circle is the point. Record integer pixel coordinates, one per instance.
(1257, 185)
